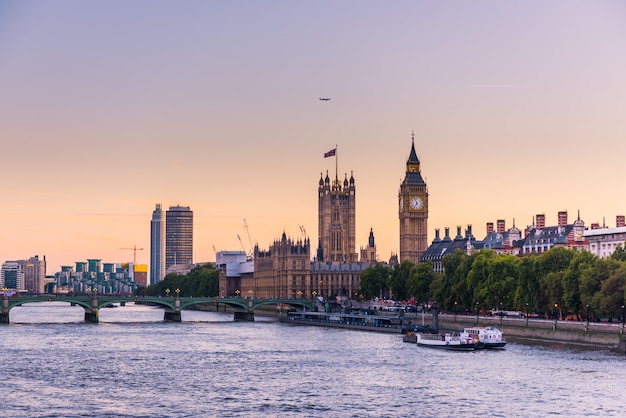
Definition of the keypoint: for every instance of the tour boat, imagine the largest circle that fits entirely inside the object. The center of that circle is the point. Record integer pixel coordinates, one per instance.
(487, 337)
(447, 341)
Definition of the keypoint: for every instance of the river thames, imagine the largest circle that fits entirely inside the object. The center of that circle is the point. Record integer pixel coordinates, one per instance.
(133, 364)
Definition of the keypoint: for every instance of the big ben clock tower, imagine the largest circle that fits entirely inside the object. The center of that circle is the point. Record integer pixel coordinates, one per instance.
(413, 210)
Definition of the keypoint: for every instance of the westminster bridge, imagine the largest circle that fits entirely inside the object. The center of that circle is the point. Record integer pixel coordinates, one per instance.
(243, 307)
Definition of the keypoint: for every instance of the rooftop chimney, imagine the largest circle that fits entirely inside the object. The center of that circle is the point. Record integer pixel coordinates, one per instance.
(620, 220)
(489, 228)
(540, 220)
(500, 226)
(562, 218)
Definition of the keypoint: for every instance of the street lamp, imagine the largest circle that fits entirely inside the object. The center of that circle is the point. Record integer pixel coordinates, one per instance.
(299, 294)
(250, 292)
(476, 312)
(456, 308)
(177, 292)
(237, 292)
(527, 313)
(167, 291)
(587, 321)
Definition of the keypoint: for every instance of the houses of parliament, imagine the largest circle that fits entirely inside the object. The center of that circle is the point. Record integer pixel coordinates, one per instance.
(287, 270)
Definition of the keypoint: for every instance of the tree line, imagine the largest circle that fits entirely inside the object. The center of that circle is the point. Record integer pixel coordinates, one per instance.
(558, 282)
(201, 281)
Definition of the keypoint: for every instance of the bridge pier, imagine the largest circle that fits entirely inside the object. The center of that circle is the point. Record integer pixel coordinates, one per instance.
(92, 317)
(172, 316)
(244, 316)
(4, 312)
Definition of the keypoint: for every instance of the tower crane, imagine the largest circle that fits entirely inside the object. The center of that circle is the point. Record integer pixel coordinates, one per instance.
(135, 249)
(242, 246)
(245, 226)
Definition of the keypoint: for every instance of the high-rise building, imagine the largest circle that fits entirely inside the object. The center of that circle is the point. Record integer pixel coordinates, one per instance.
(413, 210)
(28, 275)
(157, 241)
(178, 236)
(12, 276)
(336, 220)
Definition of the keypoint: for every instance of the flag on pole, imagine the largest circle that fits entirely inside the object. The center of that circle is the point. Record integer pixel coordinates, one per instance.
(330, 153)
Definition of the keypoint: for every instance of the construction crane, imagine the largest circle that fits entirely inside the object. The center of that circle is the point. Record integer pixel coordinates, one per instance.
(245, 226)
(242, 246)
(135, 249)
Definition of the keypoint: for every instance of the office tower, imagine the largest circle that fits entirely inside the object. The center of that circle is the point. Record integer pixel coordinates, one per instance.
(12, 276)
(413, 210)
(178, 236)
(157, 241)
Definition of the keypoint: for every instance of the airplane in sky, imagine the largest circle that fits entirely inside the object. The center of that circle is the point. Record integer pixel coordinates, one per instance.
(325, 98)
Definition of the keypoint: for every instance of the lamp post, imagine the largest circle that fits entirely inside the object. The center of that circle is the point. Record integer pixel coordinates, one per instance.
(177, 292)
(250, 292)
(527, 313)
(167, 291)
(456, 309)
(587, 321)
(299, 294)
(621, 326)
(237, 292)
(477, 312)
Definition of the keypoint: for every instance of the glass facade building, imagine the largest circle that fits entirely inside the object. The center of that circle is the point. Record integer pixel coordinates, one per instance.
(157, 241)
(178, 236)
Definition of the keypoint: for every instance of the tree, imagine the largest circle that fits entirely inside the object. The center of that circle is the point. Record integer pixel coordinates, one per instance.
(374, 281)
(399, 278)
(420, 278)
(200, 281)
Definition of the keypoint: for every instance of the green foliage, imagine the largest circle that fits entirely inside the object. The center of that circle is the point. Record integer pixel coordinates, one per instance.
(202, 281)
(532, 283)
(374, 281)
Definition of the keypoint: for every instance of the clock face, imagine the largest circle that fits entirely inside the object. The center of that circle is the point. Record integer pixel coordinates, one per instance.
(417, 203)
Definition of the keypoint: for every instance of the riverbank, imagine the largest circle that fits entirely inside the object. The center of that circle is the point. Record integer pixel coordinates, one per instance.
(589, 334)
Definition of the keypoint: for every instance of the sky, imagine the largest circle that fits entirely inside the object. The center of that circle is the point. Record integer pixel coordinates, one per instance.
(109, 107)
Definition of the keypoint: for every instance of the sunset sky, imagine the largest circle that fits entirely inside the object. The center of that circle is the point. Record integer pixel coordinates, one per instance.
(107, 108)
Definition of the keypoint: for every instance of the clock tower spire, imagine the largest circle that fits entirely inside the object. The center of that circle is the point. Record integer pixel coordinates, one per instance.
(413, 210)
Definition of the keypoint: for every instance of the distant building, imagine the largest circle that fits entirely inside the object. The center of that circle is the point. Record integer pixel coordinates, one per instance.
(232, 267)
(336, 220)
(178, 236)
(440, 247)
(27, 275)
(157, 245)
(368, 254)
(413, 210)
(503, 241)
(540, 238)
(94, 276)
(139, 274)
(12, 276)
(603, 241)
(283, 271)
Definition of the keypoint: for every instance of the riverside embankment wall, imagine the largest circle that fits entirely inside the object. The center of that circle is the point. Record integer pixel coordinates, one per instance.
(594, 334)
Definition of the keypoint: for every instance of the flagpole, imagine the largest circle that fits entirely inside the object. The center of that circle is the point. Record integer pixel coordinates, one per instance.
(336, 164)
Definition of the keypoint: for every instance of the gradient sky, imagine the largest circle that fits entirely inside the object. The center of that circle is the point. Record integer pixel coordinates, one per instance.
(106, 108)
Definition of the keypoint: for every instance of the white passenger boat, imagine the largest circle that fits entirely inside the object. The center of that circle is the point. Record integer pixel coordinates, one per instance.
(447, 341)
(487, 337)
